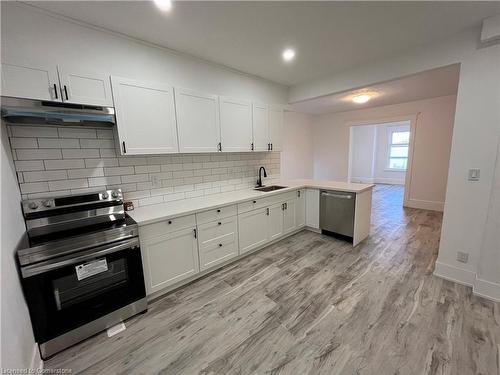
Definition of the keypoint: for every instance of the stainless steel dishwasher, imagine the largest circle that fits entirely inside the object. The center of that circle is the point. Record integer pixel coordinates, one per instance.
(337, 212)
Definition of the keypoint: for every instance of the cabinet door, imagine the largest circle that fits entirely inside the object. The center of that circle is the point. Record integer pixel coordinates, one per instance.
(170, 258)
(235, 125)
(260, 126)
(145, 117)
(275, 221)
(83, 87)
(276, 128)
(252, 229)
(312, 208)
(30, 82)
(300, 209)
(197, 121)
(289, 224)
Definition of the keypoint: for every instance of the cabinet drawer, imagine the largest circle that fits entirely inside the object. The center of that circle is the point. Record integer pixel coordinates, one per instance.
(216, 214)
(265, 201)
(167, 226)
(212, 232)
(218, 251)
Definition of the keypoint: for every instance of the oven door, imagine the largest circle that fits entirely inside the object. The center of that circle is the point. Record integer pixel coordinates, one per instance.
(68, 292)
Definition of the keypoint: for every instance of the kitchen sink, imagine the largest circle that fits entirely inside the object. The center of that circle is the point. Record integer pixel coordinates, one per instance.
(270, 188)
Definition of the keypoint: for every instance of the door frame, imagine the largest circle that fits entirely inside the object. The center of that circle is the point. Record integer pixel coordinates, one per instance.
(413, 118)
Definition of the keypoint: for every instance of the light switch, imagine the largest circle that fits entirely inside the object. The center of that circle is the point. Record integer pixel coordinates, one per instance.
(474, 174)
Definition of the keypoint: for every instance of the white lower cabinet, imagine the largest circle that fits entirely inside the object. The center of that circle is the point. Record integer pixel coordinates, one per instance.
(217, 242)
(289, 224)
(253, 229)
(300, 209)
(170, 258)
(275, 221)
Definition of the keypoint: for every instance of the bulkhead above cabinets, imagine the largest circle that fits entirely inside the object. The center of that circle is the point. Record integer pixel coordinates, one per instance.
(154, 117)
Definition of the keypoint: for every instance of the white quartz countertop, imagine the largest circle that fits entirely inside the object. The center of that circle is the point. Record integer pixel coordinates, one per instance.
(163, 211)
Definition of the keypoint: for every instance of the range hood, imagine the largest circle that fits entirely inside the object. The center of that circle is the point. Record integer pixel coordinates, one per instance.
(29, 111)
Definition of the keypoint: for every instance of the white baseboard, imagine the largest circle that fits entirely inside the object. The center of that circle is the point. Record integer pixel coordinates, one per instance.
(36, 359)
(363, 180)
(480, 287)
(424, 205)
(457, 275)
(388, 181)
(487, 289)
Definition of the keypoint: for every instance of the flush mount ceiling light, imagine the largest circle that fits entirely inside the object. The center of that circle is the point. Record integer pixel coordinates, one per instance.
(164, 5)
(360, 99)
(288, 54)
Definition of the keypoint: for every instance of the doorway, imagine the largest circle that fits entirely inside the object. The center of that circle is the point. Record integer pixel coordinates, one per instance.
(379, 153)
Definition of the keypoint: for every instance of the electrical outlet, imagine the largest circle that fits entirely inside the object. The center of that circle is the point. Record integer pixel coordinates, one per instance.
(462, 257)
(155, 180)
(474, 174)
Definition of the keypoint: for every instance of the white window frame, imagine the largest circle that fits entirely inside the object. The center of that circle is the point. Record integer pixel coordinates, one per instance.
(391, 131)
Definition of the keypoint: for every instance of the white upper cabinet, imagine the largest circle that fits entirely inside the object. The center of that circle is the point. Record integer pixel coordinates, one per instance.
(260, 127)
(83, 87)
(31, 82)
(145, 117)
(276, 128)
(197, 121)
(236, 124)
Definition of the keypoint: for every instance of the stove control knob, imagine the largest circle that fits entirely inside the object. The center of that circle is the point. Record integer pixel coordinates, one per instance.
(114, 194)
(105, 196)
(47, 204)
(33, 205)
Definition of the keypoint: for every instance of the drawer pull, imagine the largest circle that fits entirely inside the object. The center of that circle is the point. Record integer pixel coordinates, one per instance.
(254, 201)
(219, 223)
(220, 245)
(170, 221)
(218, 210)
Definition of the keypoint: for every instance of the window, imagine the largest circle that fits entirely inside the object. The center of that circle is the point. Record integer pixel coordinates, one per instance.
(398, 150)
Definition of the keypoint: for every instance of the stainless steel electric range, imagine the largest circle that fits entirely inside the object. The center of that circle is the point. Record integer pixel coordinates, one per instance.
(80, 267)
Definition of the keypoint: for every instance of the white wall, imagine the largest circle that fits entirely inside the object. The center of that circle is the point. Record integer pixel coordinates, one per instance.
(475, 143)
(434, 128)
(362, 151)
(34, 37)
(297, 154)
(17, 342)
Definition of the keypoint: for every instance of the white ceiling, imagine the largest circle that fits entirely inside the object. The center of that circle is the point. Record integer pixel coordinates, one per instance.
(429, 84)
(249, 36)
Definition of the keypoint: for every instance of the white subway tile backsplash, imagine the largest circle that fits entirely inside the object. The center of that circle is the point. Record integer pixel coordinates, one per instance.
(23, 143)
(107, 162)
(33, 131)
(30, 165)
(34, 187)
(67, 160)
(68, 184)
(64, 164)
(66, 132)
(58, 143)
(105, 133)
(118, 171)
(86, 172)
(38, 154)
(101, 181)
(44, 176)
(97, 143)
(79, 153)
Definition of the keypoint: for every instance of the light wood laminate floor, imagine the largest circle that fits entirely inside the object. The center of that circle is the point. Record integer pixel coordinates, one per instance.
(311, 304)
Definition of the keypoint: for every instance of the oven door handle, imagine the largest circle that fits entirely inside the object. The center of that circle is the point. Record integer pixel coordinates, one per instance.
(53, 264)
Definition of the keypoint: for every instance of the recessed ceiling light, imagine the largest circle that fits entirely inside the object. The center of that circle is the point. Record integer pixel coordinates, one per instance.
(164, 5)
(288, 54)
(360, 99)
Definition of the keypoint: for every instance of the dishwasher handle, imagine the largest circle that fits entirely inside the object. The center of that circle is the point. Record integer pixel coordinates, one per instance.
(333, 195)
